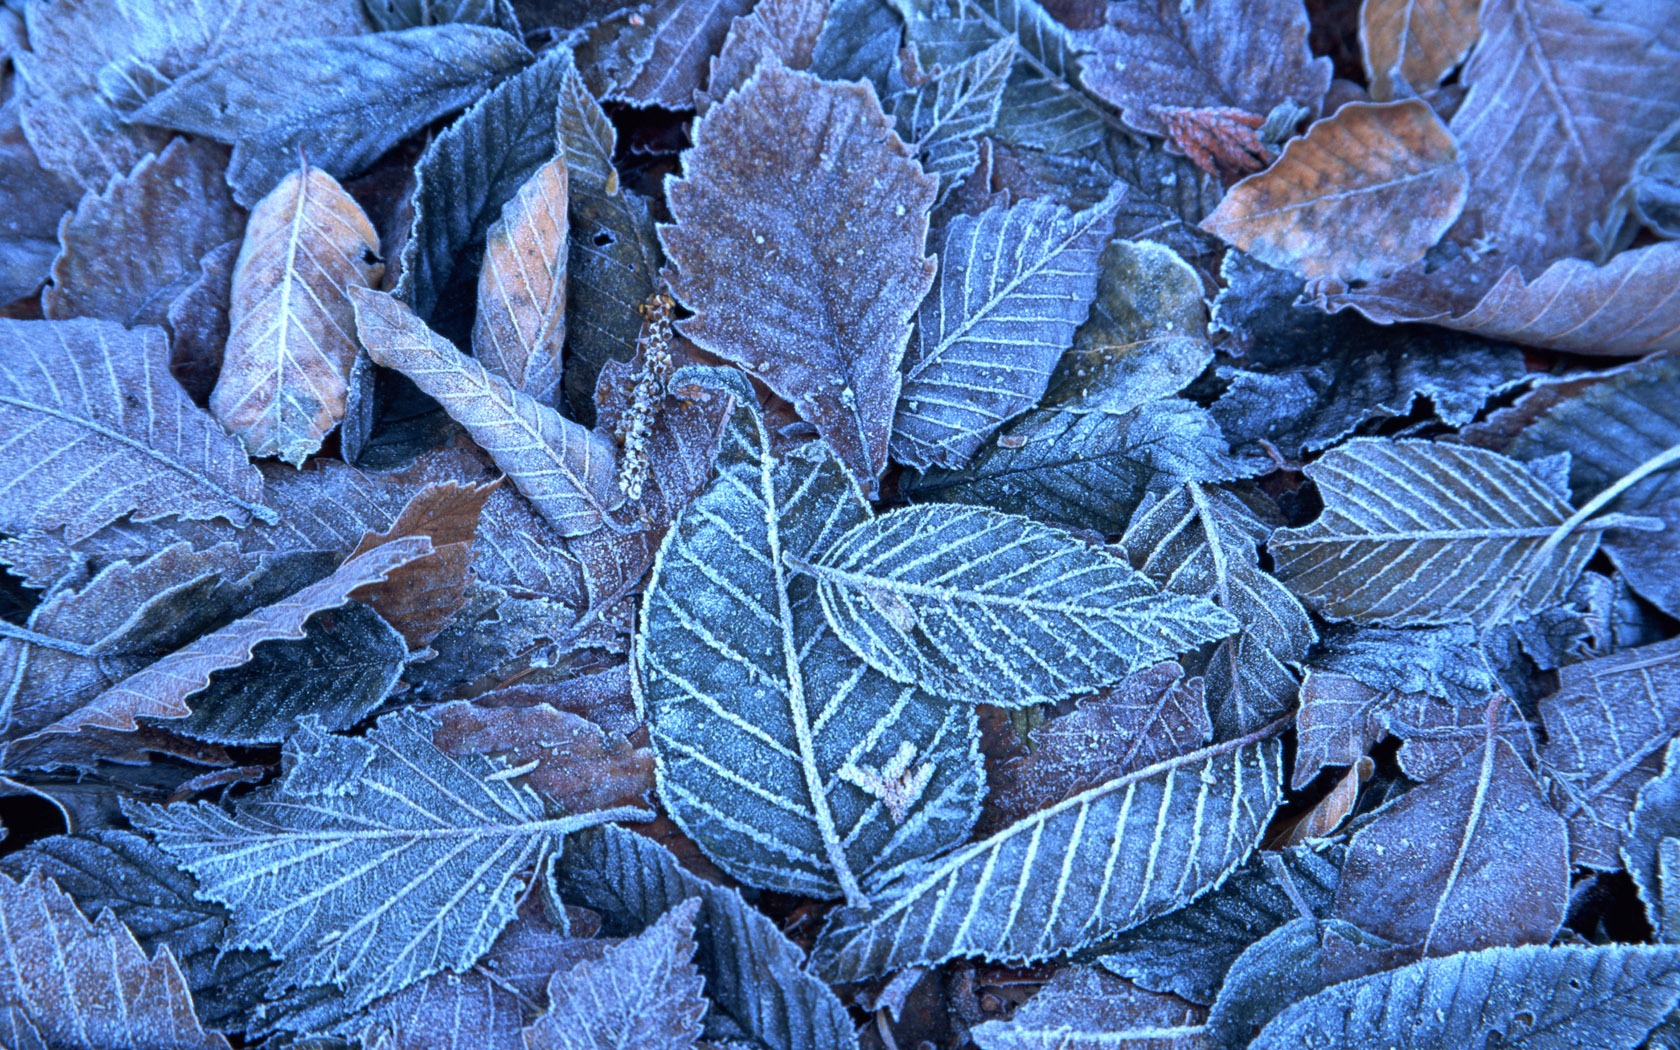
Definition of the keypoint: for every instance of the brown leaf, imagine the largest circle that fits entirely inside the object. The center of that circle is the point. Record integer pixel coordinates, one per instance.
(521, 323)
(801, 221)
(198, 322)
(1472, 860)
(1154, 56)
(161, 689)
(1363, 193)
(88, 985)
(786, 29)
(574, 761)
(1606, 728)
(1630, 305)
(292, 333)
(1221, 140)
(570, 474)
(1331, 810)
(32, 201)
(1154, 715)
(1411, 45)
(128, 252)
(420, 597)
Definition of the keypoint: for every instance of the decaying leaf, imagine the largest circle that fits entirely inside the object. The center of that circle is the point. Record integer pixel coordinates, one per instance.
(644, 992)
(578, 765)
(292, 331)
(87, 985)
(767, 727)
(113, 265)
(521, 323)
(805, 179)
(419, 597)
(369, 851)
(1154, 54)
(940, 595)
(570, 474)
(99, 429)
(1411, 45)
(1365, 192)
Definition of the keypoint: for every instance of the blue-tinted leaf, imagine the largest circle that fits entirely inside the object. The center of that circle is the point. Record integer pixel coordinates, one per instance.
(1087, 470)
(407, 14)
(374, 862)
(972, 603)
(942, 118)
(791, 762)
(345, 100)
(755, 977)
(1014, 284)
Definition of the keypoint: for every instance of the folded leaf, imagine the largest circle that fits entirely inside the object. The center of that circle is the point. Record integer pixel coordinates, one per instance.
(1097, 863)
(345, 100)
(472, 170)
(113, 265)
(1534, 998)
(1200, 541)
(570, 474)
(374, 861)
(292, 331)
(521, 322)
(643, 992)
(755, 977)
(793, 764)
(161, 689)
(1014, 285)
(1606, 728)
(975, 604)
(1419, 533)
(1362, 194)
(98, 429)
(802, 270)
(88, 986)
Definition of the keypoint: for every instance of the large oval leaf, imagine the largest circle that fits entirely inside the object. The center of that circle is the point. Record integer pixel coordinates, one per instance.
(794, 765)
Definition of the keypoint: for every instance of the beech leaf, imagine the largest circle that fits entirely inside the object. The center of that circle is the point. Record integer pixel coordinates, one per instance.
(1106, 859)
(345, 100)
(86, 985)
(1411, 45)
(1431, 523)
(100, 430)
(1362, 194)
(570, 474)
(794, 765)
(363, 866)
(787, 29)
(292, 332)
(973, 603)
(763, 192)
(1014, 285)
(1532, 997)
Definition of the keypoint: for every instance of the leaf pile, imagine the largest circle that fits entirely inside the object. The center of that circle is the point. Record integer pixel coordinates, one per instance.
(839, 524)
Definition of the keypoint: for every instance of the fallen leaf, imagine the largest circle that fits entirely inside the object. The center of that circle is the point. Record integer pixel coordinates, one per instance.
(1324, 818)
(1222, 140)
(521, 322)
(1083, 1008)
(113, 265)
(418, 598)
(787, 29)
(1362, 194)
(566, 757)
(763, 185)
(292, 331)
(1411, 45)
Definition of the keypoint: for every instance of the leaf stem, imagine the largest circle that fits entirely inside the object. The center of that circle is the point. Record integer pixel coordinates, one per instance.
(46, 641)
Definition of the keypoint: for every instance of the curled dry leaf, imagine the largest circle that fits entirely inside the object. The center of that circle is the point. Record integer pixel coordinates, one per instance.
(1411, 45)
(521, 322)
(420, 597)
(1362, 194)
(570, 474)
(801, 220)
(292, 331)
